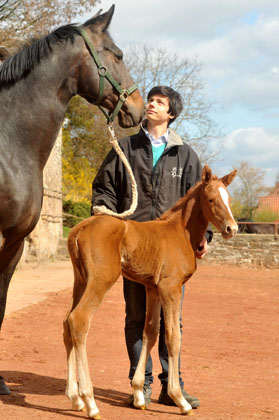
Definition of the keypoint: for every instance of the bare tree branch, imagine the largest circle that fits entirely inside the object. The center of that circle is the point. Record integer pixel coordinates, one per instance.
(22, 18)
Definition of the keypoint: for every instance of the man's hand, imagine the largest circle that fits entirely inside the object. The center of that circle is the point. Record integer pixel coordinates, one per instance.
(202, 249)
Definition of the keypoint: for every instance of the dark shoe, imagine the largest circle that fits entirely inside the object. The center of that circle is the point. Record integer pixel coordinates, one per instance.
(4, 390)
(165, 399)
(147, 391)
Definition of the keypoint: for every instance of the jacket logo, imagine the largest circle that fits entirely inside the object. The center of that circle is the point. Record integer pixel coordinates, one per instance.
(176, 173)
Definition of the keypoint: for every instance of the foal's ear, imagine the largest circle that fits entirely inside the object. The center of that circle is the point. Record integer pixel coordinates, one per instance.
(228, 179)
(206, 174)
(101, 22)
(4, 53)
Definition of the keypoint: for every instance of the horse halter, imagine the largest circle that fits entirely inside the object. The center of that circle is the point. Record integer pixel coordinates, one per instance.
(104, 74)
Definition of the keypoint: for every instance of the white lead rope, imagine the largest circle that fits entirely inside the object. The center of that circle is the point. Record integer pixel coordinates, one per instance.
(126, 213)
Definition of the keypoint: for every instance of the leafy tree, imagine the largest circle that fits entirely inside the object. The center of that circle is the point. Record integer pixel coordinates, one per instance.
(246, 190)
(21, 18)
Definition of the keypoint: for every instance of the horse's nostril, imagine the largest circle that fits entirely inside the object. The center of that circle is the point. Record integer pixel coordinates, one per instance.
(229, 230)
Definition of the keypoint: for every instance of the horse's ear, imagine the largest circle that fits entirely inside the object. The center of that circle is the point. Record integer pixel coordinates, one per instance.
(206, 174)
(101, 21)
(89, 21)
(228, 179)
(4, 53)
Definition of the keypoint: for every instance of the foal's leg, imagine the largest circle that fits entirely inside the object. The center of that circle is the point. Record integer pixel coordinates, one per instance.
(150, 333)
(72, 385)
(171, 301)
(79, 322)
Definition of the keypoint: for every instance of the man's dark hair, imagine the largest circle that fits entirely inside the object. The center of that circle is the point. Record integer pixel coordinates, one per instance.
(175, 99)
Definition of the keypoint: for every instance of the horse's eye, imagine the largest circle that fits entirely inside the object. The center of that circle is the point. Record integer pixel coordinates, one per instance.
(119, 57)
(210, 200)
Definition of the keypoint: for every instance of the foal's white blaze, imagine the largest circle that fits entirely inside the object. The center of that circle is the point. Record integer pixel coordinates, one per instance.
(225, 198)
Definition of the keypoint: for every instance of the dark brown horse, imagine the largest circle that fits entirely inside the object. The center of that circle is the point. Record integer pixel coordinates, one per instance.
(247, 226)
(159, 254)
(36, 85)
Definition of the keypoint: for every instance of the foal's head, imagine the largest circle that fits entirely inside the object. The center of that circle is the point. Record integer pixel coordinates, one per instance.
(215, 202)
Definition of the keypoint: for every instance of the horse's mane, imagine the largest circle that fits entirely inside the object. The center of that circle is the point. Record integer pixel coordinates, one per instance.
(19, 65)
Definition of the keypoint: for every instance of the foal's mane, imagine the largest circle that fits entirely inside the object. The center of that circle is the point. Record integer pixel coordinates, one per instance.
(16, 67)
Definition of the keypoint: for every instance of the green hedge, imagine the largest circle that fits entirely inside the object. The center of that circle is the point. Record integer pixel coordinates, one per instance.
(79, 209)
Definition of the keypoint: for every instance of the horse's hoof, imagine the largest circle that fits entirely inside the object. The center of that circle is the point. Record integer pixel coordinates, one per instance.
(97, 416)
(4, 390)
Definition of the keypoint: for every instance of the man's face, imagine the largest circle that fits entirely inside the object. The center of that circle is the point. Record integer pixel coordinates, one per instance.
(157, 109)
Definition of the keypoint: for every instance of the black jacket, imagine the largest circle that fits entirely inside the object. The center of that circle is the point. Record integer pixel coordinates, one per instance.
(177, 170)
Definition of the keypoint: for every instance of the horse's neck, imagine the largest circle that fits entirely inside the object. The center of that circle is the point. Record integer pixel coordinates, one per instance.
(188, 214)
(193, 218)
(38, 103)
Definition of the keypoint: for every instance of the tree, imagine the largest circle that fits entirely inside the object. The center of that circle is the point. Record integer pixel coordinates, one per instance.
(246, 190)
(21, 18)
(158, 65)
(85, 144)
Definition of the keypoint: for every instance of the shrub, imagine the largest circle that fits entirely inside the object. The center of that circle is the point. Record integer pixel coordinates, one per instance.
(265, 216)
(80, 210)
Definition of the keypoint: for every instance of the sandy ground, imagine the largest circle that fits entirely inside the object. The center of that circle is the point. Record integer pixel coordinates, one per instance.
(229, 356)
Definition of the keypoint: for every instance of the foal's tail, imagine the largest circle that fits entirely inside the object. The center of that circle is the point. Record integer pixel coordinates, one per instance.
(76, 254)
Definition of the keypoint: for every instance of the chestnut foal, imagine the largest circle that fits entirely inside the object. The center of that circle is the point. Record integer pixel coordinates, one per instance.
(159, 254)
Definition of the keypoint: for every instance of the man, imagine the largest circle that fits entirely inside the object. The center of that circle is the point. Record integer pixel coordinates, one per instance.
(164, 168)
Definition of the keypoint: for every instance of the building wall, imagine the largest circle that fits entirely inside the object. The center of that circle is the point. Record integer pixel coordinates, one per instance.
(42, 243)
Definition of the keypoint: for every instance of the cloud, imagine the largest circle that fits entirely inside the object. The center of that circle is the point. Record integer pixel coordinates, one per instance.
(253, 145)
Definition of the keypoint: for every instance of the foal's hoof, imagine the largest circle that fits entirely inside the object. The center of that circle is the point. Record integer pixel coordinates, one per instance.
(189, 413)
(78, 406)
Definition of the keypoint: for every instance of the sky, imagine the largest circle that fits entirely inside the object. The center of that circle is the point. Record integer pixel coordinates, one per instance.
(237, 43)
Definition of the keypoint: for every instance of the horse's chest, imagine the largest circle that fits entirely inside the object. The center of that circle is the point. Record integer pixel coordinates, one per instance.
(20, 205)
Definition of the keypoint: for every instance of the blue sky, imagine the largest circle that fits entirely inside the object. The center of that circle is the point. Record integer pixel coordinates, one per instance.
(237, 43)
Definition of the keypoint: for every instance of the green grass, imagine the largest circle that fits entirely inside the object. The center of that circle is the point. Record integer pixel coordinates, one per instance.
(66, 231)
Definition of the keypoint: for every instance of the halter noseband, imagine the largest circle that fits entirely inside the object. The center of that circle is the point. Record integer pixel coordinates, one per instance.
(104, 74)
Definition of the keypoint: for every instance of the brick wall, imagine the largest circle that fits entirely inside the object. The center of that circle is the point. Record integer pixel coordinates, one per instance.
(247, 250)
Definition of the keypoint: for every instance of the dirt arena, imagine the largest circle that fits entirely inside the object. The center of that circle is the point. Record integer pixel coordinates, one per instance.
(229, 357)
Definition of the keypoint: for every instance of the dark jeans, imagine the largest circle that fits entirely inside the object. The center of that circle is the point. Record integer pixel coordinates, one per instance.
(135, 298)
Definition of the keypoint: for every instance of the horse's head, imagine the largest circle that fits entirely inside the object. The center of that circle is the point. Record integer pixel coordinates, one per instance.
(105, 92)
(216, 202)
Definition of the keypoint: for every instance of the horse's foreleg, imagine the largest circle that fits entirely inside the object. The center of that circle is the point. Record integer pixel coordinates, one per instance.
(150, 333)
(171, 301)
(5, 278)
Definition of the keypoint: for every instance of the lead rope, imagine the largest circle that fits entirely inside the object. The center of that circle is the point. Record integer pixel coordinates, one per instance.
(126, 213)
